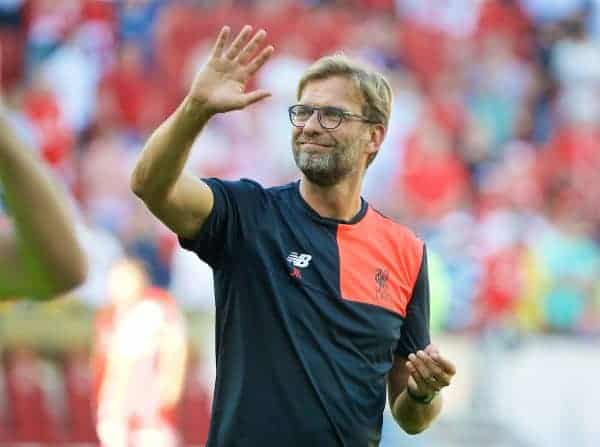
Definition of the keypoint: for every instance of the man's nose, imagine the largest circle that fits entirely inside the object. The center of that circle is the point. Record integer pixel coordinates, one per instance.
(313, 124)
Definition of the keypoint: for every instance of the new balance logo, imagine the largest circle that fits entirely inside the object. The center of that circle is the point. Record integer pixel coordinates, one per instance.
(299, 260)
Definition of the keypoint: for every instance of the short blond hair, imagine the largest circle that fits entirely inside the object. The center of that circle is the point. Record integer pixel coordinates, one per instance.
(372, 85)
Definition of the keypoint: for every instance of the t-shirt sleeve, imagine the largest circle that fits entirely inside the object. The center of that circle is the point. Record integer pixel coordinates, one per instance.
(236, 211)
(415, 330)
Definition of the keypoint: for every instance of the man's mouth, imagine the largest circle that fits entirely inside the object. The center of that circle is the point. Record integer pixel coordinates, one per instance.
(313, 144)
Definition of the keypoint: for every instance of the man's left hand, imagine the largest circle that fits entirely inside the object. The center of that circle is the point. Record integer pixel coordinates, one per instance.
(429, 372)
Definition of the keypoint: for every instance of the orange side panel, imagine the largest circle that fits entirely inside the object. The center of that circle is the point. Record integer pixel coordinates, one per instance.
(379, 262)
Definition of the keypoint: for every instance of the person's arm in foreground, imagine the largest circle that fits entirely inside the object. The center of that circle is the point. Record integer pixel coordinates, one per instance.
(40, 257)
(414, 381)
(179, 200)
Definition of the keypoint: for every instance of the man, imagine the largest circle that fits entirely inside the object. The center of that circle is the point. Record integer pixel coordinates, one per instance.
(319, 299)
(40, 257)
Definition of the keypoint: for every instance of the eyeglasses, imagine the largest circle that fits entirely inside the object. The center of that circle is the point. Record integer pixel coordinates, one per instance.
(329, 117)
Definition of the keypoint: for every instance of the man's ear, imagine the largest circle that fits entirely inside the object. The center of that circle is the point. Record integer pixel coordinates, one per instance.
(376, 136)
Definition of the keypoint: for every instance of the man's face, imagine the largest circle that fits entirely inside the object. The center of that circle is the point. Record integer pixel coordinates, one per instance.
(327, 156)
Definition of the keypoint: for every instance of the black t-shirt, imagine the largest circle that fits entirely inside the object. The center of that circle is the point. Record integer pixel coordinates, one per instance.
(309, 314)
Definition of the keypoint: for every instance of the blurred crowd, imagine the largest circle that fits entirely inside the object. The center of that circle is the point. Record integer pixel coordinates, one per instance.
(490, 156)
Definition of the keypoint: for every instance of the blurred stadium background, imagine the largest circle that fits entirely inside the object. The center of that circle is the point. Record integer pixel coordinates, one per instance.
(492, 156)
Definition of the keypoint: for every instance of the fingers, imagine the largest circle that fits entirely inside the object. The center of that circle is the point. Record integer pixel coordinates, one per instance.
(440, 376)
(255, 96)
(431, 372)
(221, 41)
(251, 47)
(423, 386)
(238, 42)
(231, 66)
(423, 375)
(243, 48)
(245, 99)
(432, 349)
(260, 60)
(444, 363)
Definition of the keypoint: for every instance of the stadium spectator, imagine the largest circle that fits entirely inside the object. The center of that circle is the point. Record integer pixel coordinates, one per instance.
(139, 362)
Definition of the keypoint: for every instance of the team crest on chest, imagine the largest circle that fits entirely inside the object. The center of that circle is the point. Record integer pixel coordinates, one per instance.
(381, 279)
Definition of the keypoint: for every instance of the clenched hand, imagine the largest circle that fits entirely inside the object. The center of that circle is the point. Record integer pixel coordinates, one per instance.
(429, 372)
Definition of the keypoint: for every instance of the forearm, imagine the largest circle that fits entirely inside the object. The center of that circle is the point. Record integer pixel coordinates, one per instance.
(412, 416)
(166, 151)
(46, 251)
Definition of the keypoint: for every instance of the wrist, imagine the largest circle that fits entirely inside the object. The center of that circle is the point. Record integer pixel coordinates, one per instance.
(421, 399)
(196, 109)
(191, 116)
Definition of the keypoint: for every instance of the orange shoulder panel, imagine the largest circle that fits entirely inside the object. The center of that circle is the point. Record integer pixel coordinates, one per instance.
(379, 262)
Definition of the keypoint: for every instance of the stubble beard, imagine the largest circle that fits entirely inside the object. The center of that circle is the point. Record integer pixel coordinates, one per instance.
(325, 168)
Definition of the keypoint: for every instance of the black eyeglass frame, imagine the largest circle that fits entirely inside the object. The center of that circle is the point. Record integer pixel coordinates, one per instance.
(343, 114)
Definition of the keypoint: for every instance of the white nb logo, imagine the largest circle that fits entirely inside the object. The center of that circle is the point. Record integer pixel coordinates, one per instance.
(299, 260)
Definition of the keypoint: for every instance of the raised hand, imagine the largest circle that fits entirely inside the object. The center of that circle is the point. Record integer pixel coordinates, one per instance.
(429, 372)
(220, 84)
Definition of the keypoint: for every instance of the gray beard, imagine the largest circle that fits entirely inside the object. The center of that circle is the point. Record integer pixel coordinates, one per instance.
(324, 169)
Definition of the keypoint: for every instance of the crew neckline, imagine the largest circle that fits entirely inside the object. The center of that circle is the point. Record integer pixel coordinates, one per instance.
(364, 206)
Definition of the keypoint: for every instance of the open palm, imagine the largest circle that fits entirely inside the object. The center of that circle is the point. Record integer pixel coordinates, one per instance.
(220, 85)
